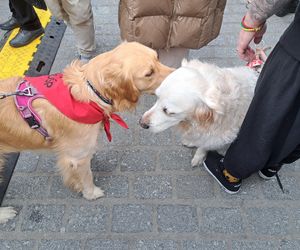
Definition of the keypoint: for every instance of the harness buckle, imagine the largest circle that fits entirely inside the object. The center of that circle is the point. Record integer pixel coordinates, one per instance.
(32, 122)
(29, 91)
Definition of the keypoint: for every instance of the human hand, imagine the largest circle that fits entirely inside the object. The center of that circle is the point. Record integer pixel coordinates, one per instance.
(244, 50)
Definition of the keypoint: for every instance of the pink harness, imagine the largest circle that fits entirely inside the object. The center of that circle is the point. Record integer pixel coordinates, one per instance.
(23, 101)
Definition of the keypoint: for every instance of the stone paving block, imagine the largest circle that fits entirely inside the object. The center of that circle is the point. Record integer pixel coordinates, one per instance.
(268, 221)
(177, 159)
(203, 245)
(138, 160)
(27, 162)
(221, 220)
(87, 218)
(43, 218)
(105, 161)
(154, 245)
(103, 244)
(120, 136)
(289, 245)
(17, 244)
(296, 220)
(113, 186)
(31, 187)
(291, 187)
(146, 138)
(177, 218)
(194, 187)
(152, 187)
(11, 225)
(132, 218)
(47, 163)
(253, 245)
(60, 191)
(60, 244)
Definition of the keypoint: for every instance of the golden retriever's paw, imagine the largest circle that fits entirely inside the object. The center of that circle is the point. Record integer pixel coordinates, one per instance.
(7, 213)
(95, 194)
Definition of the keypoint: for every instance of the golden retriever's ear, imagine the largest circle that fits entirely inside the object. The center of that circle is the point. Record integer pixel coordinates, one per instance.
(204, 116)
(120, 87)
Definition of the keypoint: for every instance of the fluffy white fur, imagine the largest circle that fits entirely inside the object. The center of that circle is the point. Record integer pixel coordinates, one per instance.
(207, 103)
(7, 213)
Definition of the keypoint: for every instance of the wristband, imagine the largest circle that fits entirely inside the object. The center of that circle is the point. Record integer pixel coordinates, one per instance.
(250, 29)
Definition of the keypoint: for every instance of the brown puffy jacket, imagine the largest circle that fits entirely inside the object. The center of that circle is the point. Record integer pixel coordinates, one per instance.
(162, 24)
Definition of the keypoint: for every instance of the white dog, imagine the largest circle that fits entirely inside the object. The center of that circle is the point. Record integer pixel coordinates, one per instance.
(206, 102)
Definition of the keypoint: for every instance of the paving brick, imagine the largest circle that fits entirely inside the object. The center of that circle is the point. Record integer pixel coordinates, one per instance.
(147, 138)
(132, 218)
(152, 187)
(177, 159)
(59, 244)
(103, 244)
(138, 160)
(289, 245)
(221, 220)
(120, 136)
(296, 220)
(105, 161)
(43, 218)
(27, 162)
(47, 163)
(87, 218)
(268, 221)
(155, 245)
(203, 245)
(194, 187)
(291, 187)
(27, 188)
(17, 244)
(59, 191)
(253, 245)
(177, 218)
(113, 186)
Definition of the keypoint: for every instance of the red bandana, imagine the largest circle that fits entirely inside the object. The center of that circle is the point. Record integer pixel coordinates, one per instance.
(58, 94)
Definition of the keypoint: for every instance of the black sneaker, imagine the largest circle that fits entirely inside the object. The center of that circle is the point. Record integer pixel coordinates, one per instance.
(214, 165)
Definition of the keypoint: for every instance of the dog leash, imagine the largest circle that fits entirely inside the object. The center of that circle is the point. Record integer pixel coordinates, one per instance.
(29, 91)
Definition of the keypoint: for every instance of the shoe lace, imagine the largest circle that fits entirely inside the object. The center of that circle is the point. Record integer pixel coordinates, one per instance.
(279, 182)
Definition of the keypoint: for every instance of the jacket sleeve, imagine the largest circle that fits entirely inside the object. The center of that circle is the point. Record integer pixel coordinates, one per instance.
(261, 10)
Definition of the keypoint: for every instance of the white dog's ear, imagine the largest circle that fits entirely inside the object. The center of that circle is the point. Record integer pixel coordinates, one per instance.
(213, 99)
(204, 116)
(184, 62)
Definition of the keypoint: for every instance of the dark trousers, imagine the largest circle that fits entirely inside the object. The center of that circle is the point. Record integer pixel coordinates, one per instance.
(270, 133)
(25, 14)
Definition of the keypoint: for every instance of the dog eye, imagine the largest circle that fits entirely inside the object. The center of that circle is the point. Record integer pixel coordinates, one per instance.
(165, 110)
(150, 73)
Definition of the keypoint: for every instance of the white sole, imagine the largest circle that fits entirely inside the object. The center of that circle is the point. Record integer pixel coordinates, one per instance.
(261, 175)
(225, 189)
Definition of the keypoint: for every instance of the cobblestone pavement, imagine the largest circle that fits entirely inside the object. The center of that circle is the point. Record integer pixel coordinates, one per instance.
(154, 199)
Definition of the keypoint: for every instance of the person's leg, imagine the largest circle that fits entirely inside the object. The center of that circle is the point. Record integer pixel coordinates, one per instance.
(270, 130)
(25, 15)
(11, 23)
(30, 25)
(173, 56)
(271, 119)
(81, 22)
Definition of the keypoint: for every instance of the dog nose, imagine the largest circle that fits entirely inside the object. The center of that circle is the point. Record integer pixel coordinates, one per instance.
(143, 125)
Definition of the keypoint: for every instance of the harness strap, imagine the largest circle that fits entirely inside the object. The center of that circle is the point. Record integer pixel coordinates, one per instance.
(24, 105)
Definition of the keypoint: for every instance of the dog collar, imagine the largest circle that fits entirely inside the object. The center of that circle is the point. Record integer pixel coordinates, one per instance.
(104, 99)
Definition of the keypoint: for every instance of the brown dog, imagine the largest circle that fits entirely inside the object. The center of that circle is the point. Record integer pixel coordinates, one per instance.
(120, 75)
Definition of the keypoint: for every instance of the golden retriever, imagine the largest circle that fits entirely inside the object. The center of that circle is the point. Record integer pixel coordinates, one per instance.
(121, 75)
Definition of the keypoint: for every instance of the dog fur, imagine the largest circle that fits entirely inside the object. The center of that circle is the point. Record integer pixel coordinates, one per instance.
(207, 103)
(121, 74)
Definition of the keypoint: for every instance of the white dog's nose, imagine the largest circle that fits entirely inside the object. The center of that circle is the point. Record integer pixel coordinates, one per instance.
(143, 124)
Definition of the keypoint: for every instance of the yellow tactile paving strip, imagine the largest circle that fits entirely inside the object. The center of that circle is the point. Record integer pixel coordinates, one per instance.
(15, 61)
